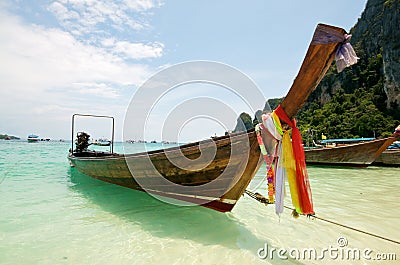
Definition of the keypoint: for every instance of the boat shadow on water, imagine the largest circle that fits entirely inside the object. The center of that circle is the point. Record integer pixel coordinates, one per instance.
(166, 220)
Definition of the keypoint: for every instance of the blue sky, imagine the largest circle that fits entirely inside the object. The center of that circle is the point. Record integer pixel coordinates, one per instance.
(87, 56)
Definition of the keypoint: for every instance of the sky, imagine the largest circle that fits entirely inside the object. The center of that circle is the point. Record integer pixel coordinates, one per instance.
(87, 56)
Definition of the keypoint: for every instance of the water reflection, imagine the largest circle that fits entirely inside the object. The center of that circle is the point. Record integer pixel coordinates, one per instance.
(196, 223)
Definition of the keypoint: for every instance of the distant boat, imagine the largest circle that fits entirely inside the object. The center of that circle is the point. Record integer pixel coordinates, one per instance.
(390, 157)
(395, 146)
(358, 152)
(215, 176)
(32, 138)
(102, 142)
(7, 138)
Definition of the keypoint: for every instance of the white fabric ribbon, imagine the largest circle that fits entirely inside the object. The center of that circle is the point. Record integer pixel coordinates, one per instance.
(280, 177)
(269, 124)
(345, 55)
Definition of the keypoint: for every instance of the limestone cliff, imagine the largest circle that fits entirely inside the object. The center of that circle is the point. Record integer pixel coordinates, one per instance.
(378, 30)
(364, 99)
(376, 39)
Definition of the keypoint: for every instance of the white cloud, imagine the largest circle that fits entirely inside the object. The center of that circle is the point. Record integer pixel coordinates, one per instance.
(43, 58)
(142, 4)
(86, 16)
(61, 12)
(136, 50)
(53, 108)
(132, 50)
(96, 89)
(46, 74)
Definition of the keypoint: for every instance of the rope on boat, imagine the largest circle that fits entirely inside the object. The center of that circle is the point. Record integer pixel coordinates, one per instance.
(259, 197)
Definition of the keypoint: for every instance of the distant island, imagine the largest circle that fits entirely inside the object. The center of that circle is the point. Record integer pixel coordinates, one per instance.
(8, 137)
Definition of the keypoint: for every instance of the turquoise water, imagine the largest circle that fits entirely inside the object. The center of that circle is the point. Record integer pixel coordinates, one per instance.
(52, 214)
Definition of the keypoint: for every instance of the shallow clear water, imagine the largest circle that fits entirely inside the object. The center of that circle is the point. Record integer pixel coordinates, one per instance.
(52, 214)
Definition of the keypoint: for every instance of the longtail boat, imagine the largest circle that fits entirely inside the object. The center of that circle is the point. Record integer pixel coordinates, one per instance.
(390, 157)
(355, 155)
(186, 172)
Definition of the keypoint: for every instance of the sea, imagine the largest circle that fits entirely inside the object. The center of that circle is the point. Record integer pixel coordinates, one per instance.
(52, 214)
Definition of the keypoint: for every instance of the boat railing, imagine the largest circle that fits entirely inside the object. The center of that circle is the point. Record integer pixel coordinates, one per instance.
(93, 116)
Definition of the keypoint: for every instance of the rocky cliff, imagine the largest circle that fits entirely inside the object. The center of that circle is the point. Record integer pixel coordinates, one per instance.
(378, 31)
(376, 35)
(364, 99)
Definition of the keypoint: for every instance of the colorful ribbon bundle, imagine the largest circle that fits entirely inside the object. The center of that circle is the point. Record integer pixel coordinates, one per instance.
(268, 160)
(290, 163)
(397, 131)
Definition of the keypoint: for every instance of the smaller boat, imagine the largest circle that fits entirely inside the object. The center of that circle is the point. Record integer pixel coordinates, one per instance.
(390, 157)
(360, 152)
(32, 138)
(101, 142)
(395, 146)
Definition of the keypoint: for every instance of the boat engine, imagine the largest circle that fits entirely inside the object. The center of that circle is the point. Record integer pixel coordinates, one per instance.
(82, 142)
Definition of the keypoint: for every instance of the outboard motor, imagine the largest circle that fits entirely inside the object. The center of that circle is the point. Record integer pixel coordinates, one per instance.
(82, 142)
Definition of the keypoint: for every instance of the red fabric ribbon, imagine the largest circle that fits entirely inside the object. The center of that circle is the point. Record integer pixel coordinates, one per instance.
(303, 184)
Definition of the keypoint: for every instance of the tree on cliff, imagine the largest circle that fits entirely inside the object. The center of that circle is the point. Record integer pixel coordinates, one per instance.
(243, 122)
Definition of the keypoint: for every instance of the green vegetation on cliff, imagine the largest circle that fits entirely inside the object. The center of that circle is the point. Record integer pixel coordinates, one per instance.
(243, 122)
(363, 100)
(356, 108)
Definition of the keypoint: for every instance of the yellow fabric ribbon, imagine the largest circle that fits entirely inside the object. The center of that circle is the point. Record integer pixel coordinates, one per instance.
(277, 122)
(288, 162)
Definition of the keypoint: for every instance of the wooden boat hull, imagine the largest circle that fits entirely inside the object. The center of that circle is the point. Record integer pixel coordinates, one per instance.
(389, 158)
(356, 155)
(180, 173)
